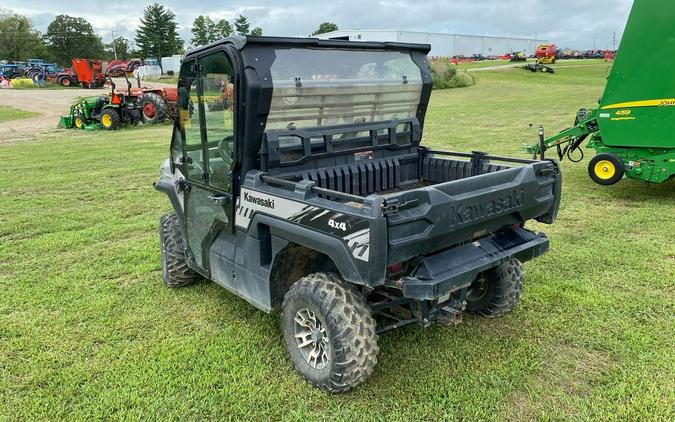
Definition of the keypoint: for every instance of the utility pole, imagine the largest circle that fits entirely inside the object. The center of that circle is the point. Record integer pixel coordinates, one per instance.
(534, 48)
(113, 44)
(614, 41)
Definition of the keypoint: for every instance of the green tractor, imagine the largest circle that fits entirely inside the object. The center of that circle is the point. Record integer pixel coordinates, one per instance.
(633, 128)
(106, 111)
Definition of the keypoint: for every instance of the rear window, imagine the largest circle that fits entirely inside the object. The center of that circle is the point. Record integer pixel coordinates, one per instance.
(326, 87)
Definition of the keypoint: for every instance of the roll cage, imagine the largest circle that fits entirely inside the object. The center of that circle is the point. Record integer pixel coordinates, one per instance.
(252, 60)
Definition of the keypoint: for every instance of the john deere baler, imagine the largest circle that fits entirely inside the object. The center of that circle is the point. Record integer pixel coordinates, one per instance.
(633, 128)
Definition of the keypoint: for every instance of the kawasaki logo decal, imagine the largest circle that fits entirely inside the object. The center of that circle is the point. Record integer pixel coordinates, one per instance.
(465, 213)
(263, 202)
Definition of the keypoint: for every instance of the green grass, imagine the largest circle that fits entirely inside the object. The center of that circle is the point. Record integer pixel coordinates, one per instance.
(8, 113)
(482, 63)
(87, 331)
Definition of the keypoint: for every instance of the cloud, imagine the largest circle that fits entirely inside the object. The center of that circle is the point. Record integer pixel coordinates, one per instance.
(572, 23)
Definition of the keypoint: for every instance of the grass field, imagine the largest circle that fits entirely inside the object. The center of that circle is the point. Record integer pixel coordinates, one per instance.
(483, 63)
(88, 331)
(10, 113)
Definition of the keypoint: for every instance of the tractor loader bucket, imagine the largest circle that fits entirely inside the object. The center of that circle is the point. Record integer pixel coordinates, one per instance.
(66, 122)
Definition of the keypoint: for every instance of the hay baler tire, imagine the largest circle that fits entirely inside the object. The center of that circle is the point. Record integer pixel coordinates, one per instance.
(110, 119)
(606, 169)
(153, 108)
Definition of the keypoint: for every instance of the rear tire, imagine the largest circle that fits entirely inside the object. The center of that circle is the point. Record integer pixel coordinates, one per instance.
(175, 270)
(65, 81)
(497, 291)
(110, 119)
(606, 169)
(335, 324)
(153, 108)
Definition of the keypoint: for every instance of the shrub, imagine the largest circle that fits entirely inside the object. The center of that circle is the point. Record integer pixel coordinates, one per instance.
(445, 75)
(462, 79)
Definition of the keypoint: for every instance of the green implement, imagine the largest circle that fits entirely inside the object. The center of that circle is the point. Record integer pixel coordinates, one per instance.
(633, 128)
(80, 114)
(103, 112)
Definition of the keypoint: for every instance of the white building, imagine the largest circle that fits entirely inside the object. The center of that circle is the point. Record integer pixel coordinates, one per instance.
(171, 64)
(445, 45)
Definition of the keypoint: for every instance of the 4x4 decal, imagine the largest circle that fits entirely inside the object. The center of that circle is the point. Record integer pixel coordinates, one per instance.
(355, 231)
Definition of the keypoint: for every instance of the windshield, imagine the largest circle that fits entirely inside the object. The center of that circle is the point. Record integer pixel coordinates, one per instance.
(325, 87)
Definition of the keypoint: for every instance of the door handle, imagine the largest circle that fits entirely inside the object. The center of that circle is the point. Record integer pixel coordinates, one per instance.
(221, 200)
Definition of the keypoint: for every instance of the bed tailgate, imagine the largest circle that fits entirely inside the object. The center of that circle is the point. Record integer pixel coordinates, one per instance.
(431, 218)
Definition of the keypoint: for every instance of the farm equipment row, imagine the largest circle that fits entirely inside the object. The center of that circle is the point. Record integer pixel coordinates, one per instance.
(147, 105)
(35, 69)
(86, 73)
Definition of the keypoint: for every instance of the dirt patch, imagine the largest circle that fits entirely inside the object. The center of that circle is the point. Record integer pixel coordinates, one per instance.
(50, 104)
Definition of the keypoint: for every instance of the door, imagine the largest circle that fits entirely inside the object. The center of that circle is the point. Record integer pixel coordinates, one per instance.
(206, 123)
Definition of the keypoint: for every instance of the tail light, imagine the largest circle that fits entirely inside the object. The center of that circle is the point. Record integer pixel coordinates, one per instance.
(394, 268)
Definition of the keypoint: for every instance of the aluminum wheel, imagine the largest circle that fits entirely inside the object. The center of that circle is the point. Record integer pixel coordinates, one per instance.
(311, 338)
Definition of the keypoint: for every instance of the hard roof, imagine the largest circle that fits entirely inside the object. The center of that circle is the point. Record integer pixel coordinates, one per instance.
(240, 42)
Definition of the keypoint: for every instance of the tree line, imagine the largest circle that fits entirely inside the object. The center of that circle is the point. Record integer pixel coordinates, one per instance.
(206, 30)
(69, 37)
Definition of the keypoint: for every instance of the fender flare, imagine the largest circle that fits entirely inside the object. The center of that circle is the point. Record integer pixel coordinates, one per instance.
(167, 187)
(329, 245)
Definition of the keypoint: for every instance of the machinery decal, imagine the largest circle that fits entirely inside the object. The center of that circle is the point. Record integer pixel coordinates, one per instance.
(661, 102)
(250, 202)
(332, 222)
(353, 230)
(359, 244)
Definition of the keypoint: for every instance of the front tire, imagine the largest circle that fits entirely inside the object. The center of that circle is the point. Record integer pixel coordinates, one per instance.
(175, 270)
(497, 291)
(329, 332)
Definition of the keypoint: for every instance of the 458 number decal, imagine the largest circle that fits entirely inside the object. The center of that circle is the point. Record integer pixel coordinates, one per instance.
(337, 225)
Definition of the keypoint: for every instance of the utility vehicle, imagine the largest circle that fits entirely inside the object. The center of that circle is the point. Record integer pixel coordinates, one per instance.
(298, 182)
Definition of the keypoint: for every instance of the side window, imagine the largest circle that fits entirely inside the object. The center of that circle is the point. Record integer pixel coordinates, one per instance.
(210, 100)
(188, 116)
(217, 79)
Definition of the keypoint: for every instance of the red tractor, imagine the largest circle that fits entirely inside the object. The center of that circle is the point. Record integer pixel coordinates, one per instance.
(156, 103)
(88, 73)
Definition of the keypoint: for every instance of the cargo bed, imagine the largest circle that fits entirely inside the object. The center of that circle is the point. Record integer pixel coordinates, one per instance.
(433, 200)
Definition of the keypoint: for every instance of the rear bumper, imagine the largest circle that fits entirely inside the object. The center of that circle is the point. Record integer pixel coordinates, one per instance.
(445, 272)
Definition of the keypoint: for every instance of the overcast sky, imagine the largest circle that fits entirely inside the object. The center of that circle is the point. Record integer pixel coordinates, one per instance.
(578, 24)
